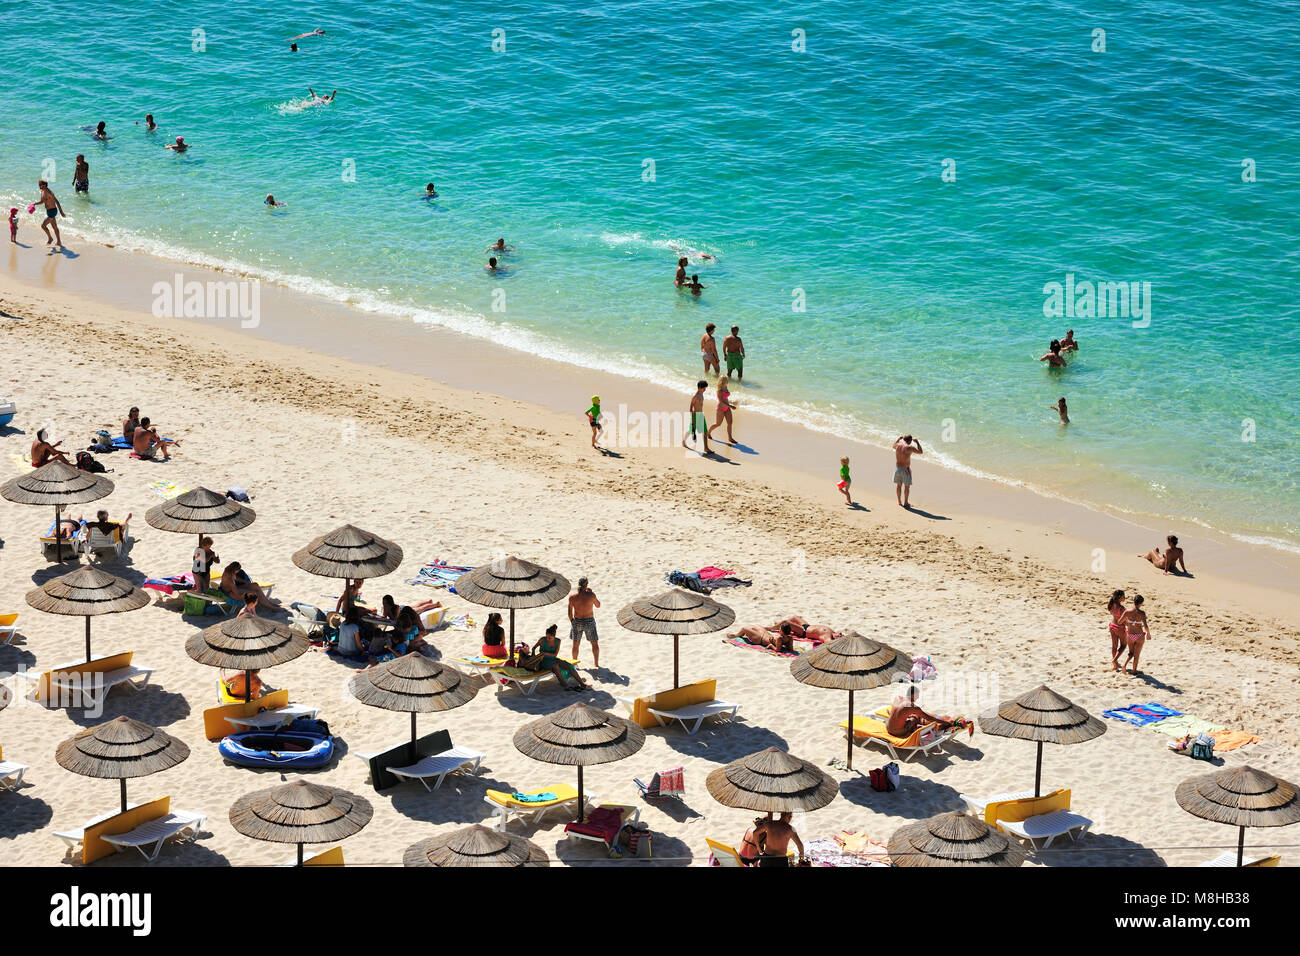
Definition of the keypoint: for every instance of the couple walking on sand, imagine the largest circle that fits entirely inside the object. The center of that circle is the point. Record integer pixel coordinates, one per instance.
(1128, 629)
(699, 422)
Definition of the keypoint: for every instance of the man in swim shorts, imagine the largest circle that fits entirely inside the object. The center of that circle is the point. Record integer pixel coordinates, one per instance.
(698, 422)
(582, 619)
(81, 175)
(709, 349)
(733, 350)
(53, 209)
(904, 449)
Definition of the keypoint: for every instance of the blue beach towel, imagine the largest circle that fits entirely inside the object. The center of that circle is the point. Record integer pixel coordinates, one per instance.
(1139, 715)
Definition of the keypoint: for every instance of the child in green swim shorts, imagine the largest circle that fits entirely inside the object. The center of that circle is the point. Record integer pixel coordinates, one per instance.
(845, 480)
(593, 417)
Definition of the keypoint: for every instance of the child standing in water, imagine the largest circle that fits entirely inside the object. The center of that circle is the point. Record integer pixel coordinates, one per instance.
(1060, 408)
(593, 417)
(845, 480)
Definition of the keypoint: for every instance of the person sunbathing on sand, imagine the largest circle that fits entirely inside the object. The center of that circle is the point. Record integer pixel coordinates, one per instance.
(1171, 559)
(43, 452)
(237, 584)
(905, 716)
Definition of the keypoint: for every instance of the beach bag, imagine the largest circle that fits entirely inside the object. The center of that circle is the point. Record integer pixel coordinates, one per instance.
(880, 781)
(86, 462)
(1203, 747)
(923, 669)
(237, 494)
(892, 775)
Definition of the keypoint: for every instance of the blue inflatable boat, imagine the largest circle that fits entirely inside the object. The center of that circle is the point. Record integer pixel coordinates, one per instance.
(303, 744)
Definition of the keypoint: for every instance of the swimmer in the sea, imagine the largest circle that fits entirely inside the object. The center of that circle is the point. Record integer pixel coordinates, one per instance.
(149, 124)
(293, 48)
(679, 280)
(429, 191)
(180, 145)
(1068, 344)
(322, 99)
(492, 268)
(1053, 355)
(272, 201)
(100, 131)
(500, 246)
(1060, 409)
(694, 285)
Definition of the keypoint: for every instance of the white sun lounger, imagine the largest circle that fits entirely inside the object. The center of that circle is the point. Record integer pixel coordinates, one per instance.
(1228, 858)
(274, 718)
(694, 715)
(93, 691)
(1047, 827)
(526, 684)
(472, 667)
(439, 765)
(150, 836)
(978, 805)
(11, 775)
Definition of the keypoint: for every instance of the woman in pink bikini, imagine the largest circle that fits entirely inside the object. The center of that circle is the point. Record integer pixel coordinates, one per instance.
(1116, 607)
(1136, 632)
(725, 407)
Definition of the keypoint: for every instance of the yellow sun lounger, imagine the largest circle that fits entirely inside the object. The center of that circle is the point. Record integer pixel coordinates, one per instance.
(920, 741)
(504, 806)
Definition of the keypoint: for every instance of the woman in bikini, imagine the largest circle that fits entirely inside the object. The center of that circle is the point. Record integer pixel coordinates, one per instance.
(549, 647)
(1136, 632)
(1171, 559)
(751, 844)
(1116, 608)
(725, 408)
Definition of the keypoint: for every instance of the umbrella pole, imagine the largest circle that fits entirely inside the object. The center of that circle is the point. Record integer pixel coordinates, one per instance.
(58, 531)
(248, 685)
(1241, 843)
(123, 783)
(512, 632)
(1038, 772)
(581, 801)
(850, 733)
(676, 679)
(300, 854)
(413, 756)
(87, 637)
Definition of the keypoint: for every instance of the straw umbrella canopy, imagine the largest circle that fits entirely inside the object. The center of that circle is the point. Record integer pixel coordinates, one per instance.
(413, 684)
(120, 749)
(87, 592)
(851, 663)
(300, 812)
(247, 644)
(476, 846)
(953, 839)
(512, 584)
(348, 552)
(200, 512)
(579, 736)
(676, 612)
(1045, 717)
(1240, 797)
(58, 484)
(772, 781)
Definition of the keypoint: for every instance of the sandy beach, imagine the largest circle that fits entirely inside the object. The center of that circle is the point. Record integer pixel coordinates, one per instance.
(464, 451)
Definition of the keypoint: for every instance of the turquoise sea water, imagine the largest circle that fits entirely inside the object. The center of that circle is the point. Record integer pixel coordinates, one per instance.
(819, 171)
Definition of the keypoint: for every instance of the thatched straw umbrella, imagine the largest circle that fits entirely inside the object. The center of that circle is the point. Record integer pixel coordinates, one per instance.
(1045, 717)
(87, 592)
(349, 553)
(247, 644)
(1240, 797)
(58, 484)
(851, 663)
(579, 736)
(120, 749)
(413, 684)
(200, 512)
(512, 584)
(300, 812)
(475, 846)
(772, 781)
(953, 839)
(676, 612)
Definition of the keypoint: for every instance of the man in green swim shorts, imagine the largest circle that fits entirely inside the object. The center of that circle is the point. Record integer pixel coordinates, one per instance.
(699, 423)
(733, 350)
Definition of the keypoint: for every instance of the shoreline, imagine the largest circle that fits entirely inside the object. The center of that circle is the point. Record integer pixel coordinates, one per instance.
(531, 377)
(774, 451)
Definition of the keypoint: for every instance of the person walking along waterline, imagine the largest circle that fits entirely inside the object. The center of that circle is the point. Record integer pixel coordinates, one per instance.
(904, 448)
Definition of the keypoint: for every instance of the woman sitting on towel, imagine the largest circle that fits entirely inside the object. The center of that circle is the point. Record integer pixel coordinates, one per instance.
(905, 716)
(549, 647)
(237, 584)
(494, 637)
(779, 637)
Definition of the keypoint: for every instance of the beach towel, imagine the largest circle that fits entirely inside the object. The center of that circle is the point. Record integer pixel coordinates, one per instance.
(741, 642)
(438, 574)
(169, 585)
(461, 622)
(532, 797)
(1140, 715)
(694, 582)
(166, 489)
(709, 573)
(1232, 739)
(1185, 724)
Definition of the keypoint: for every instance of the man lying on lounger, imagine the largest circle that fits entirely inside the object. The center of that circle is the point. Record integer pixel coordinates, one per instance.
(905, 716)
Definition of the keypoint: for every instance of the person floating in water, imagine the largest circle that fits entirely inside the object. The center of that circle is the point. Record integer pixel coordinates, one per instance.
(101, 132)
(293, 48)
(501, 247)
(272, 201)
(1060, 409)
(180, 145)
(321, 99)
(429, 191)
(1053, 355)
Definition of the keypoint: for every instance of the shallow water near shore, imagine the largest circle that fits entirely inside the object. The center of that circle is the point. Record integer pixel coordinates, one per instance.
(814, 178)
